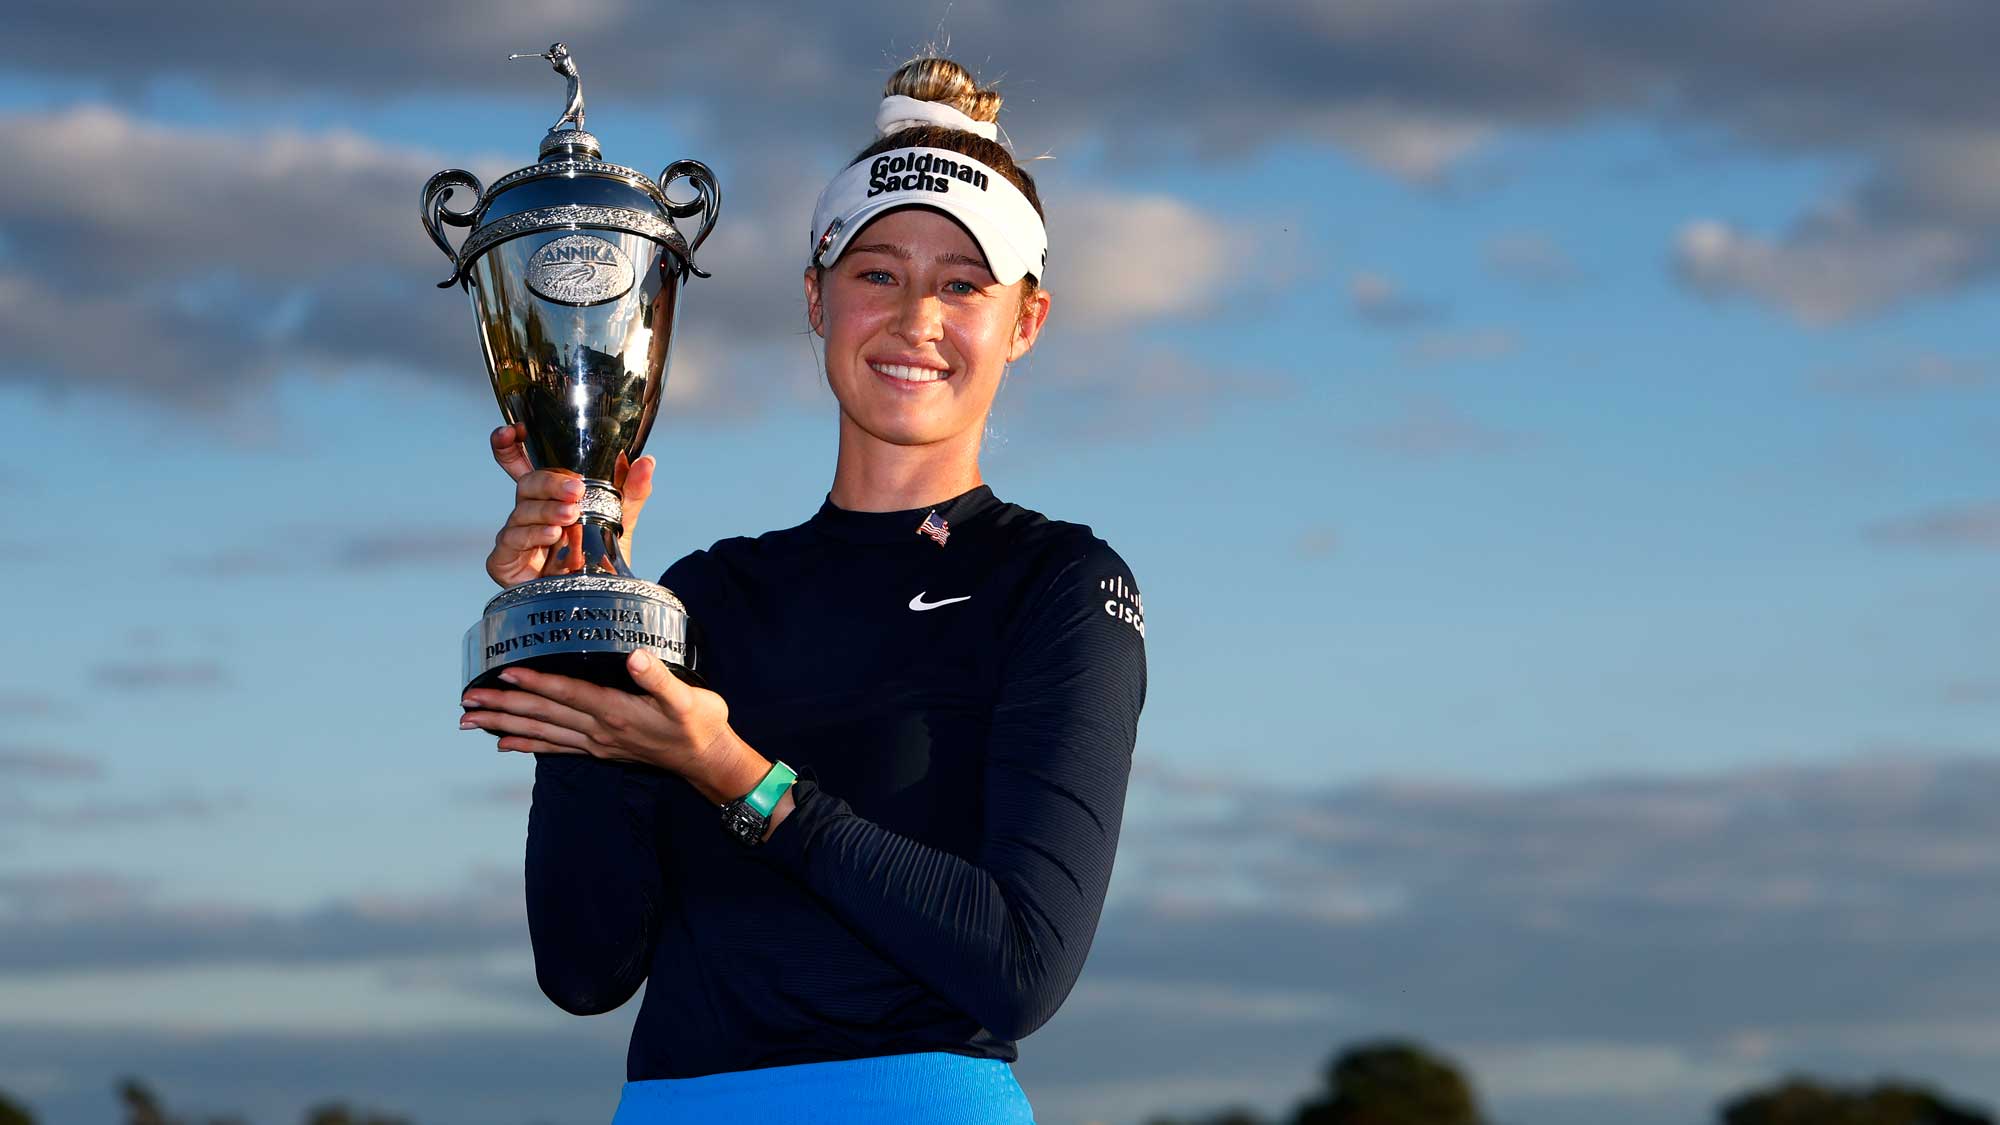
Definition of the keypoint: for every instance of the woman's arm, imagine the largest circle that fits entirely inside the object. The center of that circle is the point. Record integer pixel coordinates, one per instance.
(1004, 937)
(594, 879)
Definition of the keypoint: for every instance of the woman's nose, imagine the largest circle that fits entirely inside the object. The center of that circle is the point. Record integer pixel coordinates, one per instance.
(921, 318)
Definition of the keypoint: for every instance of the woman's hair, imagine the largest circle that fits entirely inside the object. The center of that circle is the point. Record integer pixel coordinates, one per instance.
(933, 79)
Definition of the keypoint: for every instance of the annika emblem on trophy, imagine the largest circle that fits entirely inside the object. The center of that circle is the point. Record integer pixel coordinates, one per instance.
(574, 267)
(579, 269)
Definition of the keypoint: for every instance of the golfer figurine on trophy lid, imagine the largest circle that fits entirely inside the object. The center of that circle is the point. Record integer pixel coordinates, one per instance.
(574, 266)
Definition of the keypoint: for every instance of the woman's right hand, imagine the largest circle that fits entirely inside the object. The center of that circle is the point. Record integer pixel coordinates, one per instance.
(547, 505)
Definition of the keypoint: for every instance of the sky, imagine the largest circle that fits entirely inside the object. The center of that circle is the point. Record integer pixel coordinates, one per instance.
(1559, 444)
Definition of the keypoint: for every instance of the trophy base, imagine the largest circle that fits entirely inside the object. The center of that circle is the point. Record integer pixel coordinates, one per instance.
(581, 625)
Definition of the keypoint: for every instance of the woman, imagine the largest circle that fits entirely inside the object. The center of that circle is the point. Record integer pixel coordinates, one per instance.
(956, 679)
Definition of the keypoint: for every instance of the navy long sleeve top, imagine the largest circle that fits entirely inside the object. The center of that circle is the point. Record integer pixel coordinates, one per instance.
(962, 716)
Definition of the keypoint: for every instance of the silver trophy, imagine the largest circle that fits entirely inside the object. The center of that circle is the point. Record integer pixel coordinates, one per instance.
(574, 267)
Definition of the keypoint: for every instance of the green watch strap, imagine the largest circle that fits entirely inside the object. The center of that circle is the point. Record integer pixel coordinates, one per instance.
(765, 797)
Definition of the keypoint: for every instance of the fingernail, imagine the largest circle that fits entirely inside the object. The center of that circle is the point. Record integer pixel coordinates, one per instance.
(509, 676)
(466, 724)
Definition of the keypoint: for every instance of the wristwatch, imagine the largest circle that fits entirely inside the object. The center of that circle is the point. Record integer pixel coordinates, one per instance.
(747, 816)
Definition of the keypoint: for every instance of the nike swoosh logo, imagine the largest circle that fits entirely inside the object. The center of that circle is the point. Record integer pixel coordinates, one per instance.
(919, 604)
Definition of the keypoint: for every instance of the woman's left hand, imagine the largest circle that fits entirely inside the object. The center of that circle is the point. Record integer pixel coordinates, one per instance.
(674, 725)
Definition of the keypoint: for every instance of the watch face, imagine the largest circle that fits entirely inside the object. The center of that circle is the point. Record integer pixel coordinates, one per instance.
(744, 823)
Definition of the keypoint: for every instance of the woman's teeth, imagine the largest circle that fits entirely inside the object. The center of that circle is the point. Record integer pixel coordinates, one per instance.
(908, 374)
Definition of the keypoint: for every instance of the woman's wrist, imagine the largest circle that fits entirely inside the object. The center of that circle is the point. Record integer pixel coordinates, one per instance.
(735, 769)
(730, 768)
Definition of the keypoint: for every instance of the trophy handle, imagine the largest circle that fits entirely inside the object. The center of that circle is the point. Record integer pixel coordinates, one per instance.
(437, 212)
(707, 201)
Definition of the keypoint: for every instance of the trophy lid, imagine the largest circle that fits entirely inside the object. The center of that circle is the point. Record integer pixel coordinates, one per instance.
(570, 187)
(570, 144)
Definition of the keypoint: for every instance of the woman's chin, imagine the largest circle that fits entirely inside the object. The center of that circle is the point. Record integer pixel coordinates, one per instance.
(903, 427)
(911, 435)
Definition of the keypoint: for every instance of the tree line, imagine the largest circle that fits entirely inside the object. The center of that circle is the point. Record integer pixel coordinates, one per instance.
(143, 1107)
(1400, 1082)
(1381, 1082)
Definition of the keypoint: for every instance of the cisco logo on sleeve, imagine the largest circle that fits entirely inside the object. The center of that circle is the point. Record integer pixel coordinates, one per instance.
(1124, 604)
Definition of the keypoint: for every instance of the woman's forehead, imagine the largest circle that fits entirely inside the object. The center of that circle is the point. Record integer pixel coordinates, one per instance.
(917, 232)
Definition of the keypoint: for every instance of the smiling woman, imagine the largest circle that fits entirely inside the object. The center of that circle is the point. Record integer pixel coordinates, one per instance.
(919, 716)
(917, 334)
(939, 244)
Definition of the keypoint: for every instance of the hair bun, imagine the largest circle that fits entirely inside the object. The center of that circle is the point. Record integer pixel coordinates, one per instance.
(933, 79)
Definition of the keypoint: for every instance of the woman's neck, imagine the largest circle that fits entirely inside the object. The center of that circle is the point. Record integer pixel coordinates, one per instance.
(872, 475)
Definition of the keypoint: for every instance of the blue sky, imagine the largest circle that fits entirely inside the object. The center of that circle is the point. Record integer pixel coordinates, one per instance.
(1498, 419)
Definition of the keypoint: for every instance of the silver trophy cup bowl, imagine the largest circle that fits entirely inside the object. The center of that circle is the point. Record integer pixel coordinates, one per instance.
(574, 268)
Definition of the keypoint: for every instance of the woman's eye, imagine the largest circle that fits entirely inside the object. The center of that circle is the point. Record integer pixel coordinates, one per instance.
(878, 277)
(962, 288)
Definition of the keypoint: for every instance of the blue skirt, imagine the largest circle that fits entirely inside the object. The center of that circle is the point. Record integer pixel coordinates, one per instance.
(921, 1088)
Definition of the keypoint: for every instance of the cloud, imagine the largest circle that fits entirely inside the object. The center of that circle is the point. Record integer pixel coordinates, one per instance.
(1416, 89)
(1151, 772)
(563, 1070)
(372, 552)
(217, 296)
(1430, 428)
(243, 562)
(1329, 73)
(1590, 877)
(353, 551)
(56, 765)
(1678, 929)
(1129, 263)
(1315, 542)
(19, 809)
(1531, 257)
(105, 813)
(1626, 1071)
(29, 704)
(216, 293)
(241, 256)
(1118, 259)
(95, 920)
(1832, 267)
(1625, 947)
(1378, 300)
(1415, 144)
(1411, 89)
(159, 675)
(1105, 386)
(237, 255)
(512, 794)
(1923, 373)
(1461, 345)
(1975, 526)
(73, 893)
(1972, 692)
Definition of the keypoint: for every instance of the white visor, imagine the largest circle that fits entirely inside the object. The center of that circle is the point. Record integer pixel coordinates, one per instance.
(1001, 219)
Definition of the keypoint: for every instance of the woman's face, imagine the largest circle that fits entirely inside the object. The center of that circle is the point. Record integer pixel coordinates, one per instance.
(917, 331)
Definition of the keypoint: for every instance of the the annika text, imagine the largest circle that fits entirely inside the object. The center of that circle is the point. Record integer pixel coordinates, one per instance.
(585, 623)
